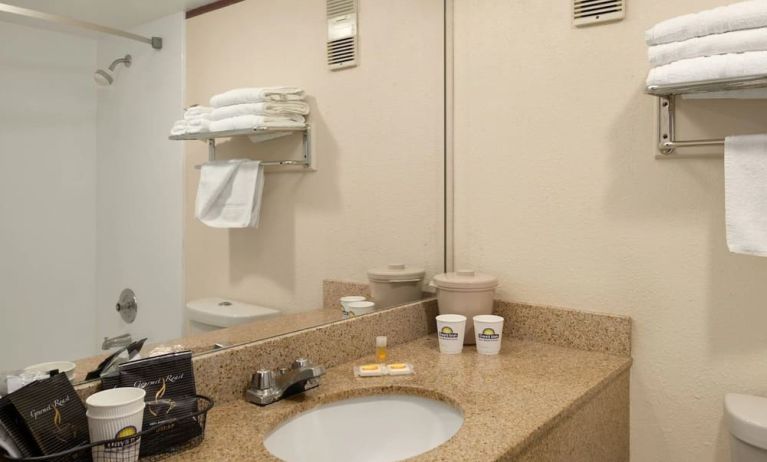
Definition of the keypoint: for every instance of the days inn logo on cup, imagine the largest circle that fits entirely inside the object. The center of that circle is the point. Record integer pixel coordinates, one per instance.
(488, 334)
(447, 333)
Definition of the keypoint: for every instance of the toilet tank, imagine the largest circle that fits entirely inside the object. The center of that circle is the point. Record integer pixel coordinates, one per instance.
(207, 314)
(746, 418)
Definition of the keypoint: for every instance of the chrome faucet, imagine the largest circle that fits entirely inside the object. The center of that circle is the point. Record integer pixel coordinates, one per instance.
(119, 341)
(269, 386)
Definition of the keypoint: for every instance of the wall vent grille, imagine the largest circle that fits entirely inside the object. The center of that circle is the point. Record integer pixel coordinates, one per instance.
(342, 44)
(588, 12)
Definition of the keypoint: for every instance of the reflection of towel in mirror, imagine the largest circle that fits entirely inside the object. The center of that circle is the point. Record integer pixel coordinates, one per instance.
(229, 194)
(245, 122)
(273, 109)
(256, 95)
(197, 125)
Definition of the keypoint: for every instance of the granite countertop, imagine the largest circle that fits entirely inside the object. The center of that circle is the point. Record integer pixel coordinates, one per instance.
(508, 400)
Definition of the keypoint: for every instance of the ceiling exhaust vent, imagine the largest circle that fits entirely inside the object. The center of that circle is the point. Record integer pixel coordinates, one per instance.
(342, 34)
(588, 12)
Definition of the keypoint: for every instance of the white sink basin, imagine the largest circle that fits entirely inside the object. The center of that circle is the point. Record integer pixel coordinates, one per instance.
(377, 428)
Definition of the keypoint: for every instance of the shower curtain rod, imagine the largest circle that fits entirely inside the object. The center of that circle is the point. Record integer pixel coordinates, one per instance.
(155, 42)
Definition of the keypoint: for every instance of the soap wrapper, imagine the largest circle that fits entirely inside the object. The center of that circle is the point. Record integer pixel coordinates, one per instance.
(380, 370)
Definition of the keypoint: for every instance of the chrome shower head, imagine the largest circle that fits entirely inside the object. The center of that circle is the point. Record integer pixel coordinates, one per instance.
(103, 78)
(106, 77)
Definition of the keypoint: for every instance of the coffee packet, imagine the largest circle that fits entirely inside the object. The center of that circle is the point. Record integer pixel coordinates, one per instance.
(53, 414)
(170, 394)
(13, 425)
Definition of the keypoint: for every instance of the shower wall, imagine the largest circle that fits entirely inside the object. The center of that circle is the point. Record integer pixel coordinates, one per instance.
(48, 190)
(139, 172)
(91, 191)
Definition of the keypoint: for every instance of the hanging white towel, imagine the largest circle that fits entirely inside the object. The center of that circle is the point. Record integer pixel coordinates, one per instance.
(256, 95)
(250, 121)
(273, 109)
(718, 44)
(738, 16)
(745, 191)
(711, 67)
(229, 194)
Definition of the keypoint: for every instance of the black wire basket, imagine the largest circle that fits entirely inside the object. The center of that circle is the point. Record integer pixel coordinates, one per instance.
(162, 440)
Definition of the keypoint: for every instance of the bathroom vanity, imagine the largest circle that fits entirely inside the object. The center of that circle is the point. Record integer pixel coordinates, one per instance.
(558, 391)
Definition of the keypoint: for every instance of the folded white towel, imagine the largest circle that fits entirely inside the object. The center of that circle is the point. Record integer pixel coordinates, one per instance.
(274, 109)
(197, 125)
(229, 194)
(178, 128)
(738, 16)
(197, 111)
(710, 45)
(711, 67)
(745, 193)
(257, 95)
(245, 122)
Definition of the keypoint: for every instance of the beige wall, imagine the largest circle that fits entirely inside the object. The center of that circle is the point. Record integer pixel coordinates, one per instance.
(558, 192)
(376, 196)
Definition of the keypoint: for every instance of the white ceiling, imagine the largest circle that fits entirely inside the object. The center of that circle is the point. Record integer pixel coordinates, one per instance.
(122, 14)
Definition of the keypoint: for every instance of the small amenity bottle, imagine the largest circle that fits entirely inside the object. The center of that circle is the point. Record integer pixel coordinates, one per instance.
(381, 349)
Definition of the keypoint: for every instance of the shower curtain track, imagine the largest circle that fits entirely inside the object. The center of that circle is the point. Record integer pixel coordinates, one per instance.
(155, 42)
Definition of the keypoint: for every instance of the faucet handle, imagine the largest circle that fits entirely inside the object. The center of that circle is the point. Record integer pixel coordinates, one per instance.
(263, 379)
(299, 363)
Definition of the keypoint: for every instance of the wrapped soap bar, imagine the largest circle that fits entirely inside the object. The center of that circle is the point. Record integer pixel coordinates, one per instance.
(369, 370)
(378, 370)
(400, 369)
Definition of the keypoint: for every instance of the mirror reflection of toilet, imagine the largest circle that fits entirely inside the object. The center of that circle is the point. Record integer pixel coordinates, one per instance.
(746, 418)
(209, 314)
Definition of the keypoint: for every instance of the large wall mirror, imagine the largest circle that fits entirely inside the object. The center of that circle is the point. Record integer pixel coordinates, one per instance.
(100, 243)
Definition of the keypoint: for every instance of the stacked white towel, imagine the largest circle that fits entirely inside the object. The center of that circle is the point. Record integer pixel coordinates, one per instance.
(244, 108)
(196, 120)
(725, 42)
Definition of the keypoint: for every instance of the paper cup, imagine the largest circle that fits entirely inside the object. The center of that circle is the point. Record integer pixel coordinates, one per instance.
(108, 428)
(115, 402)
(450, 330)
(488, 329)
(358, 308)
(345, 301)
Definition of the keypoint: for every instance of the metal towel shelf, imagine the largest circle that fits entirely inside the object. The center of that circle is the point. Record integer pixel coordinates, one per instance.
(257, 135)
(667, 144)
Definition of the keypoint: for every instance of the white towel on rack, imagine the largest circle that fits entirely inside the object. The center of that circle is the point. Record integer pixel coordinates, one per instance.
(197, 125)
(738, 16)
(229, 194)
(274, 109)
(197, 111)
(256, 95)
(745, 193)
(718, 44)
(178, 128)
(250, 121)
(727, 66)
